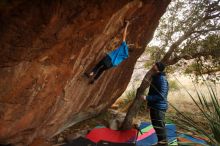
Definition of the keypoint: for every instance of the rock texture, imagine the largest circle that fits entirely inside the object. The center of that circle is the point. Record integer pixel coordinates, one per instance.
(46, 46)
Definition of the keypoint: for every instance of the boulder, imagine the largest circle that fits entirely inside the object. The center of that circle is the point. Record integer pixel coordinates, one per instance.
(47, 45)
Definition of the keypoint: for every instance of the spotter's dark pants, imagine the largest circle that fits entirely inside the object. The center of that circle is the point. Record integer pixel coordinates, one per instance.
(158, 122)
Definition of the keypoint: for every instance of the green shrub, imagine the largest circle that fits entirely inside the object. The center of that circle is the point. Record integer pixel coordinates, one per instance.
(173, 85)
(209, 112)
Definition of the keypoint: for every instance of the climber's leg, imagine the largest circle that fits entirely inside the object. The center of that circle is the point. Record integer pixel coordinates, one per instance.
(107, 63)
(100, 65)
(96, 68)
(100, 71)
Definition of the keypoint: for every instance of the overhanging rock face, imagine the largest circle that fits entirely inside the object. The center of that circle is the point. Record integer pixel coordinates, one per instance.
(46, 46)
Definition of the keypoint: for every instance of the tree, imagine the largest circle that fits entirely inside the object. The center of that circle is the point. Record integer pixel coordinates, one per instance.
(206, 61)
(180, 33)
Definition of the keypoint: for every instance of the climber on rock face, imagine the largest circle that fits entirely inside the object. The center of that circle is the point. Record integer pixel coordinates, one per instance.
(112, 59)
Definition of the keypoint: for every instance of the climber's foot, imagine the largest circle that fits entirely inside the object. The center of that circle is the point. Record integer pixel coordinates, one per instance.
(91, 82)
(91, 74)
(87, 75)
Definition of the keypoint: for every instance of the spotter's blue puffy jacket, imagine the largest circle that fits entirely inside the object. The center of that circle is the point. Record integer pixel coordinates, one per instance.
(157, 95)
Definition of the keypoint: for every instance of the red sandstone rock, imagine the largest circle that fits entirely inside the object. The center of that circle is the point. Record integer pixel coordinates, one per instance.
(47, 45)
(40, 142)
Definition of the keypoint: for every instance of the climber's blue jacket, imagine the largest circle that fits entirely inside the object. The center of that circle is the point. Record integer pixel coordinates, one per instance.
(118, 55)
(157, 95)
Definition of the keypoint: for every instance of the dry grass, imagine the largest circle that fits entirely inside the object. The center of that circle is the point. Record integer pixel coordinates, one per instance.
(181, 99)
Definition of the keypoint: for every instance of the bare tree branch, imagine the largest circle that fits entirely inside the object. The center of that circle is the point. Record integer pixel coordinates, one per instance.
(208, 71)
(187, 57)
(184, 37)
(207, 30)
(212, 16)
(139, 68)
(143, 60)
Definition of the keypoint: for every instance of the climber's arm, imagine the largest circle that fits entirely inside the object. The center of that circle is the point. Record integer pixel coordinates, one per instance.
(125, 31)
